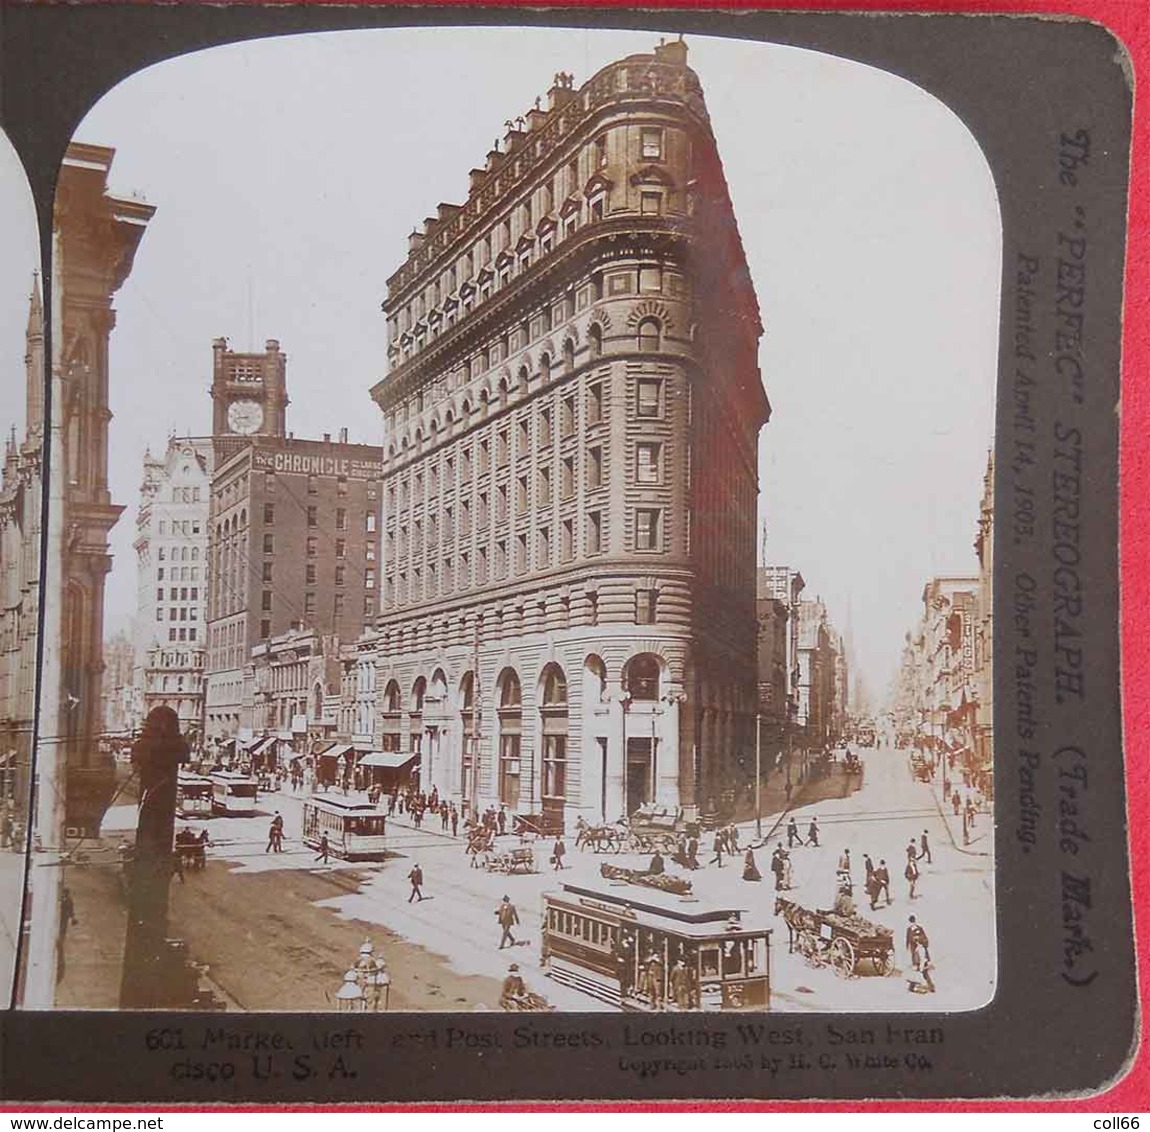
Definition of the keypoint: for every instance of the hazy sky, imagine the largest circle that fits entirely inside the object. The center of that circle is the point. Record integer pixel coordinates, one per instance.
(287, 174)
(19, 257)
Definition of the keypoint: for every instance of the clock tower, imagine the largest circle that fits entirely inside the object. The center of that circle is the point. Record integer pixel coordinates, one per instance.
(249, 396)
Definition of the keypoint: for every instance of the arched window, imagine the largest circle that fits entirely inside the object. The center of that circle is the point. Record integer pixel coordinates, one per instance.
(317, 703)
(650, 335)
(524, 377)
(568, 356)
(393, 699)
(418, 691)
(510, 737)
(553, 709)
(595, 340)
(641, 677)
(545, 367)
(470, 741)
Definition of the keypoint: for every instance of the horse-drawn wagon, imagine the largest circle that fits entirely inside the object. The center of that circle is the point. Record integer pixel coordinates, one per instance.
(845, 942)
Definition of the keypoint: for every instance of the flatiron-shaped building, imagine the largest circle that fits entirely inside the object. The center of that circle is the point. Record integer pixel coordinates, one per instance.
(567, 623)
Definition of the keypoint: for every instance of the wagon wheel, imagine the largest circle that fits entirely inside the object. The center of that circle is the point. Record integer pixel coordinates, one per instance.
(670, 843)
(842, 957)
(809, 949)
(884, 962)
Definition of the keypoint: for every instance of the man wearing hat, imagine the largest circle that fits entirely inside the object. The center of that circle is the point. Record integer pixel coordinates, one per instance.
(514, 989)
(508, 917)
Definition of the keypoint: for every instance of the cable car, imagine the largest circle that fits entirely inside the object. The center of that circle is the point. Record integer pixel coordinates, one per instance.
(233, 794)
(193, 795)
(355, 830)
(603, 944)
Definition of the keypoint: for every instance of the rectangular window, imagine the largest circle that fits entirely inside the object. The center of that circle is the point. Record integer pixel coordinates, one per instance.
(481, 512)
(267, 572)
(369, 579)
(652, 143)
(650, 398)
(160, 594)
(311, 547)
(312, 485)
(594, 532)
(312, 516)
(543, 487)
(369, 522)
(524, 435)
(543, 547)
(567, 549)
(340, 575)
(594, 468)
(647, 529)
(595, 404)
(159, 615)
(648, 462)
(521, 554)
(341, 548)
(545, 429)
(501, 503)
(484, 456)
(645, 603)
(521, 500)
(339, 600)
(195, 593)
(650, 204)
(265, 629)
(266, 600)
(309, 577)
(501, 558)
(341, 518)
(592, 609)
(160, 574)
(309, 604)
(554, 764)
(192, 633)
(567, 416)
(269, 544)
(341, 485)
(567, 477)
(368, 606)
(502, 449)
(269, 513)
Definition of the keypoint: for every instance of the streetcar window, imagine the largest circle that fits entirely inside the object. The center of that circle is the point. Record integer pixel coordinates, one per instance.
(709, 962)
(732, 957)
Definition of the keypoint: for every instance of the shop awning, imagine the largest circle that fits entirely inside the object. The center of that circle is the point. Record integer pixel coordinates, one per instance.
(336, 752)
(391, 760)
(262, 746)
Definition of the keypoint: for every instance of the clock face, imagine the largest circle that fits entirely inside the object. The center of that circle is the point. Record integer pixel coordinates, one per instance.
(245, 417)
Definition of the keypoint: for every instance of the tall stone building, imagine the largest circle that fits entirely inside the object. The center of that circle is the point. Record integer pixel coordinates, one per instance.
(293, 532)
(95, 236)
(778, 594)
(570, 466)
(21, 496)
(170, 632)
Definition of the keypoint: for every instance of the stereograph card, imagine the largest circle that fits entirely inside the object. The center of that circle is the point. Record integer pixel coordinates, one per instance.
(588, 579)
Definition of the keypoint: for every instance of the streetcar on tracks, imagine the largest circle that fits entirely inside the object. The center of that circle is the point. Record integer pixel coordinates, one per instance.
(355, 830)
(193, 795)
(233, 794)
(627, 951)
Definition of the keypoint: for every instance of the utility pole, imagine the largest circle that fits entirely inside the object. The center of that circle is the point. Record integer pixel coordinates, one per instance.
(475, 728)
(758, 776)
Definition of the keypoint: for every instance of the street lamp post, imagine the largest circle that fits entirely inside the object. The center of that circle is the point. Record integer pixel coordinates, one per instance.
(758, 776)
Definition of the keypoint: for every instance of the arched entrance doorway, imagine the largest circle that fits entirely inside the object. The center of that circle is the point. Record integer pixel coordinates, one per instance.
(510, 737)
(553, 710)
(469, 740)
(641, 676)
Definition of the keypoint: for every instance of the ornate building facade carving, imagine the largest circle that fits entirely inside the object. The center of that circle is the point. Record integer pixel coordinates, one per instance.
(570, 464)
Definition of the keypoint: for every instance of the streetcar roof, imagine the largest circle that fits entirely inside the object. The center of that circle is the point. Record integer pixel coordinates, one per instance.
(344, 806)
(655, 909)
(230, 776)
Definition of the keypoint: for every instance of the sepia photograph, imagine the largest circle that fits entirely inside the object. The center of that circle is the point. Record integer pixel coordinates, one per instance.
(520, 536)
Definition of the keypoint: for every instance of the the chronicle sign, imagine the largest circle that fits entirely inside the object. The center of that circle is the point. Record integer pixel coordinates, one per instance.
(302, 464)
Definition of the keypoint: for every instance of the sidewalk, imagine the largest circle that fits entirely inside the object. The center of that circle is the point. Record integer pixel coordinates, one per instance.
(978, 841)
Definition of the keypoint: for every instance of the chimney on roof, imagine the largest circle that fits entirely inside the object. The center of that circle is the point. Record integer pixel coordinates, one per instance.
(343, 436)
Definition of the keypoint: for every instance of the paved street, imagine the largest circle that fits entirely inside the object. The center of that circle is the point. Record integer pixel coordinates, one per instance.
(279, 929)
